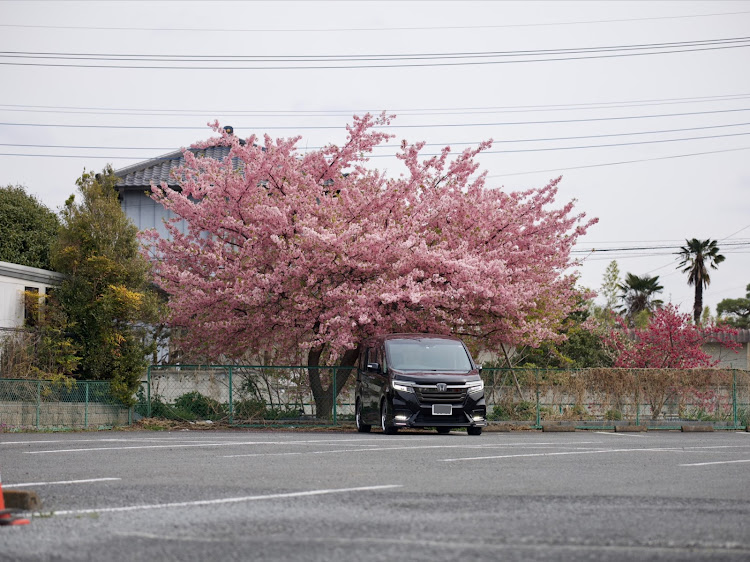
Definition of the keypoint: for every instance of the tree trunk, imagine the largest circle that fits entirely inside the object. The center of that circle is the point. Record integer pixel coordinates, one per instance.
(324, 397)
(698, 304)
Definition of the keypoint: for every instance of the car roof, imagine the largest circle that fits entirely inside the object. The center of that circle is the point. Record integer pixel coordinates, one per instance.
(411, 336)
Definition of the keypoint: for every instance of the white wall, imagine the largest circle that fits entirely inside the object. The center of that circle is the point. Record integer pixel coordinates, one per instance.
(14, 279)
(728, 359)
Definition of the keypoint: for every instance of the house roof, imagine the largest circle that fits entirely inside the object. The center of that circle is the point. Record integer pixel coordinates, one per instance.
(26, 273)
(158, 169)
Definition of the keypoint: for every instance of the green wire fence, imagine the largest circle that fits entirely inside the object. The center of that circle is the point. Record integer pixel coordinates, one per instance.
(250, 395)
(41, 404)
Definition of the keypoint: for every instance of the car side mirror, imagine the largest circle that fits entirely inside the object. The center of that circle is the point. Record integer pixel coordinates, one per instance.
(373, 367)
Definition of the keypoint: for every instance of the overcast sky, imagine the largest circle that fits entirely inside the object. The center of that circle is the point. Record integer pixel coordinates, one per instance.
(650, 128)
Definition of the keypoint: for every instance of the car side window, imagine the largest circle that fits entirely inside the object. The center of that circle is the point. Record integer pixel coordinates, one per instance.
(381, 360)
(369, 356)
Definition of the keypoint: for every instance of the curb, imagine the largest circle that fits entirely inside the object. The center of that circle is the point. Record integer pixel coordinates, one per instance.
(558, 428)
(697, 428)
(630, 428)
(21, 499)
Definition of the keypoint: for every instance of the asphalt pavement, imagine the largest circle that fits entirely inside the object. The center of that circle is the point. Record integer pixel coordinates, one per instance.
(417, 496)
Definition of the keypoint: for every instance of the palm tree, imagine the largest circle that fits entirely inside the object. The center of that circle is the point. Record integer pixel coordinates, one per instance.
(638, 294)
(696, 255)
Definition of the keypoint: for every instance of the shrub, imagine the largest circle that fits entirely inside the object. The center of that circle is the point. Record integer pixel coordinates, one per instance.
(613, 415)
(161, 409)
(202, 407)
(521, 411)
(249, 409)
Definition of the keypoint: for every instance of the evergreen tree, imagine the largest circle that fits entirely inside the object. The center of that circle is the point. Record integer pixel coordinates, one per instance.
(638, 296)
(697, 256)
(106, 298)
(735, 312)
(27, 228)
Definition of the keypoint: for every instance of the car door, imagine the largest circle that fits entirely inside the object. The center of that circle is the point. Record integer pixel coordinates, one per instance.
(366, 384)
(379, 378)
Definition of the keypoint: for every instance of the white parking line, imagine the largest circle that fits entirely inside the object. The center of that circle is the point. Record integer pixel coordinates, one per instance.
(601, 451)
(714, 462)
(171, 446)
(403, 448)
(228, 500)
(619, 434)
(345, 451)
(589, 452)
(176, 444)
(326, 442)
(27, 484)
(107, 440)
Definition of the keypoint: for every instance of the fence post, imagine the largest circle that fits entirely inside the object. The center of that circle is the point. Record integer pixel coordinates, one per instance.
(334, 396)
(38, 400)
(148, 392)
(734, 397)
(637, 399)
(538, 411)
(86, 408)
(231, 403)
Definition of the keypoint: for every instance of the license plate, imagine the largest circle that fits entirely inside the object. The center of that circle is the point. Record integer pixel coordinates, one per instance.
(442, 409)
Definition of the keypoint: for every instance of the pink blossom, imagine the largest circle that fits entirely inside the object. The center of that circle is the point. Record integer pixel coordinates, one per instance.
(317, 250)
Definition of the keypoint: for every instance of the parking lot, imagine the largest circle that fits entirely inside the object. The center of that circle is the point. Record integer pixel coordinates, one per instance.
(283, 495)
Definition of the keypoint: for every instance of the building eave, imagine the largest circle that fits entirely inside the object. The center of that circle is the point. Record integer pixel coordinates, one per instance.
(34, 274)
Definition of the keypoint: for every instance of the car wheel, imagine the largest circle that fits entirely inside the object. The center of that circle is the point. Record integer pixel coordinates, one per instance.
(443, 430)
(474, 430)
(361, 427)
(387, 427)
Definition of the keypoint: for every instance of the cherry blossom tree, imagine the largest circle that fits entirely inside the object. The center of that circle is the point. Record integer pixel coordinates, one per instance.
(318, 251)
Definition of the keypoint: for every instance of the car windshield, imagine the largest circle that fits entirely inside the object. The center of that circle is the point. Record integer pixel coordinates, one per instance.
(428, 355)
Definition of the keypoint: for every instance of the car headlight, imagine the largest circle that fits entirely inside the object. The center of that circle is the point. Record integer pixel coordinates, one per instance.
(476, 387)
(402, 387)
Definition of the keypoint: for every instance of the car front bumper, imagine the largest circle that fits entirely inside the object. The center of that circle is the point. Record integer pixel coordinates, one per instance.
(409, 411)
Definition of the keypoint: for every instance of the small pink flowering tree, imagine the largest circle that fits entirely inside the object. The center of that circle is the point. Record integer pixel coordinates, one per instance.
(669, 344)
(317, 251)
(670, 341)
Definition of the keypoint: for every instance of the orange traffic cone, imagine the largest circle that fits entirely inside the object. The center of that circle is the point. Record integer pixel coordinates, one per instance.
(6, 515)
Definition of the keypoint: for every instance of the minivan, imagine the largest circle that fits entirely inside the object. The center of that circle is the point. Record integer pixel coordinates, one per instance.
(418, 380)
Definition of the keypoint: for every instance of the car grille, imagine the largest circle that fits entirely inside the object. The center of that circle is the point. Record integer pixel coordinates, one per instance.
(431, 395)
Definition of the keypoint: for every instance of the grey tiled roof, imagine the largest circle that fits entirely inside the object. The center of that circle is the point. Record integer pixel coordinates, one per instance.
(158, 169)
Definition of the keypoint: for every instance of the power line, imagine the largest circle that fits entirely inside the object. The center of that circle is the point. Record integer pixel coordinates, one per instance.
(720, 240)
(621, 162)
(736, 244)
(541, 55)
(381, 146)
(594, 257)
(393, 126)
(546, 149)
(349, 112)
(513, 151)
(164, 57)
(361, 29)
